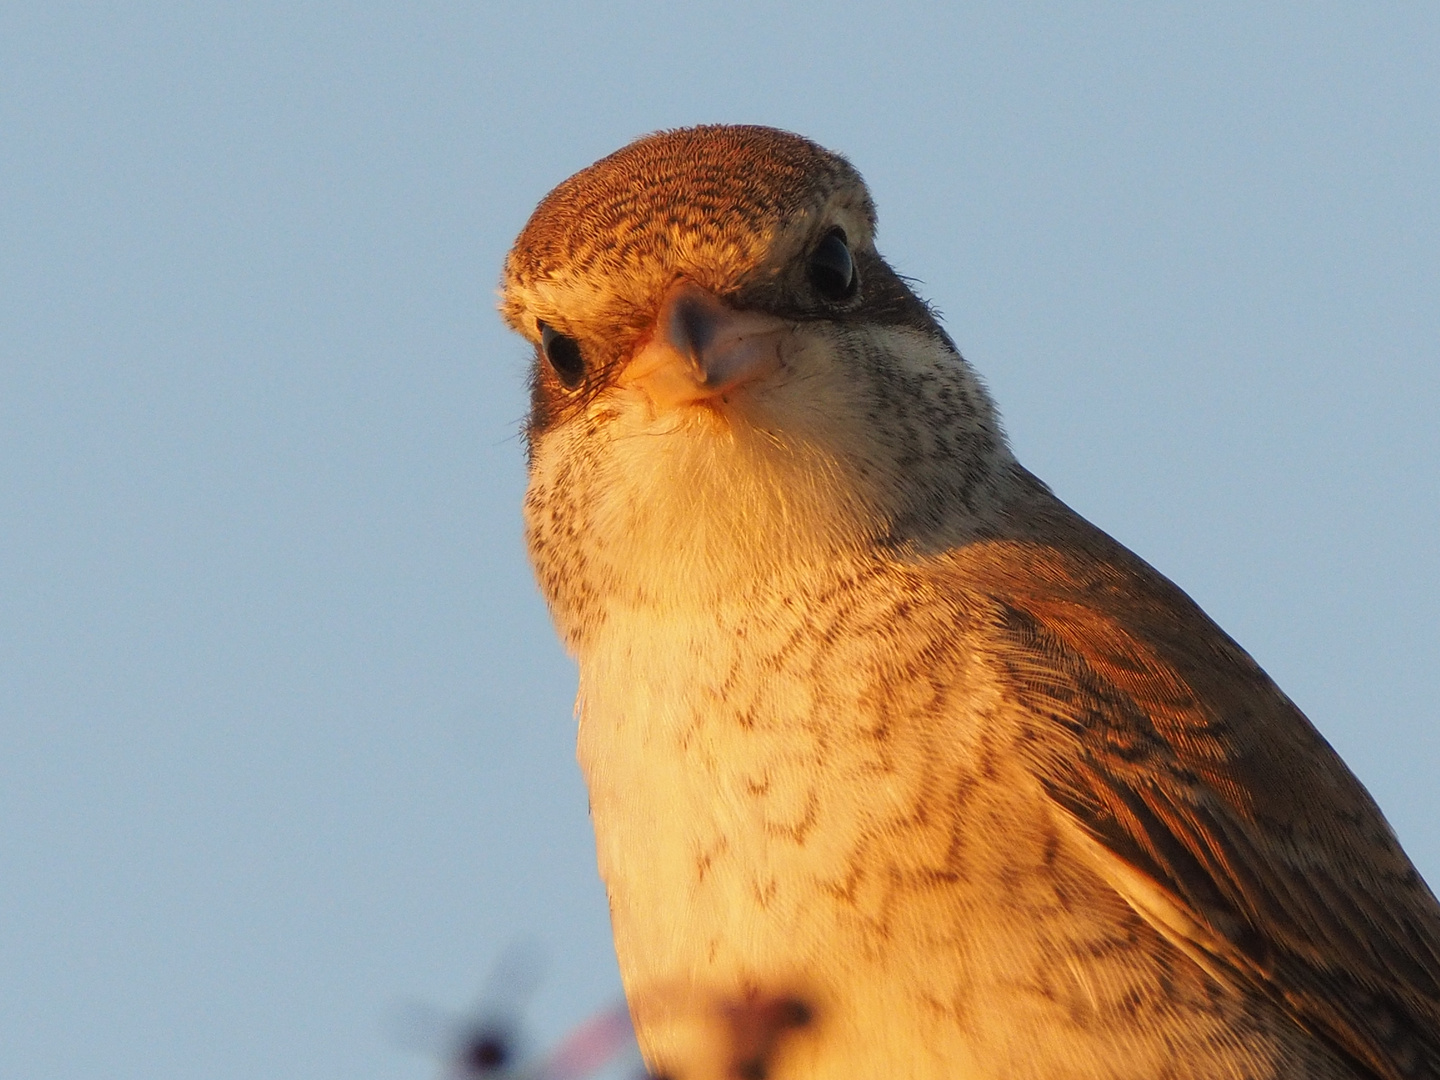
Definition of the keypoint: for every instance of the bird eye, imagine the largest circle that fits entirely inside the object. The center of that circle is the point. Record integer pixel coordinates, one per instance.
(563, 354)
(832, 270)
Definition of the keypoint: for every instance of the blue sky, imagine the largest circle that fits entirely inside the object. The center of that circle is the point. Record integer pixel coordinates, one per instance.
(286, 735)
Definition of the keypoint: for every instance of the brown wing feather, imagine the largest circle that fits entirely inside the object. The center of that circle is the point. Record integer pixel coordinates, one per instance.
(1212, 803)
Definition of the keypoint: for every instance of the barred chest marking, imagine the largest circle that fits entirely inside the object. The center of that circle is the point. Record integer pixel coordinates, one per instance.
(740, 756)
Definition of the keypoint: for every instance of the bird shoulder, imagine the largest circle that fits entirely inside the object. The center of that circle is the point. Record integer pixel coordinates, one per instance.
(1204, 796)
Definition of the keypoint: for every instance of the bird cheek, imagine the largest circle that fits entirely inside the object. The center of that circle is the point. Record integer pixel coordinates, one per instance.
(702, 349)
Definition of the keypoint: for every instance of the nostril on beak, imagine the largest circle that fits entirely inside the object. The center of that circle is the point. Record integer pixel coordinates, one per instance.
(692, 325)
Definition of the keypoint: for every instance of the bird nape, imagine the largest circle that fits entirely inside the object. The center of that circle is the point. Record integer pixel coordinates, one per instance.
(876, 726)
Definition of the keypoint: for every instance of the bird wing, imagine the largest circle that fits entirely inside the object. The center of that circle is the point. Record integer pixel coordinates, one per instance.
(1205, 797)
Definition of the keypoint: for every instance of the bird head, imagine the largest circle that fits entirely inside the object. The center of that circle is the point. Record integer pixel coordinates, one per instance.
(729, 382)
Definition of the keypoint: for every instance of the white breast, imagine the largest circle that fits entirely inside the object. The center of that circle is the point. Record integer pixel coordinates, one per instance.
(770, 796)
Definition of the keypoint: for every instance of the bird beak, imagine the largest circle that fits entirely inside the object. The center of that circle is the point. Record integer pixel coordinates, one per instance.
(702, 349)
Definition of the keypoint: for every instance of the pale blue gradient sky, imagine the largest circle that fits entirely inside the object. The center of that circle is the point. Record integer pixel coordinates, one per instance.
(286, 735)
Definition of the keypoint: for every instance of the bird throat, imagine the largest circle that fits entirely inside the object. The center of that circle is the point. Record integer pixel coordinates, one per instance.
(868, 446)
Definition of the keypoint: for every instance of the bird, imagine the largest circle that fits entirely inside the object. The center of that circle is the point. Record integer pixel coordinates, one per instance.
(878, 733)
